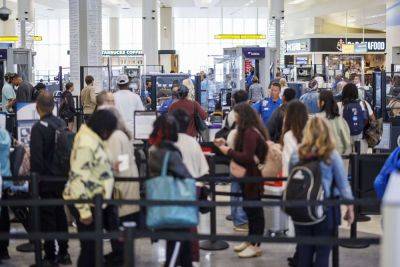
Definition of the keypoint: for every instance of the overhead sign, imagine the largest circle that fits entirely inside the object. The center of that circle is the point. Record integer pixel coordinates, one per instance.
(15, 38)
(253, 52)
(298, 46)
(3, 54)
(240, 36)
(121, 53)
(360, 48)
(348, 48)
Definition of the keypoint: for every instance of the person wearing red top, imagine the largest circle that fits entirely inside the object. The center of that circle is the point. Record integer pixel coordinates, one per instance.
(250, 142)
(190, 107)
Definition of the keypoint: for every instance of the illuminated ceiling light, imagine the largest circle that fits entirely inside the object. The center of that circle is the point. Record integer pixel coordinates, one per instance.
(205, 3)
(295, 2)
(377, 15)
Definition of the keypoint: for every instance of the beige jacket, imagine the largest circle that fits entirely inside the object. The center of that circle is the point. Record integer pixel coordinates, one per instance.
(88, 98)
(119, 144)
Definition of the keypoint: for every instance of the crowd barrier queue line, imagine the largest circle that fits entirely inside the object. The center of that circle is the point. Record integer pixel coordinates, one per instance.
(130, 233)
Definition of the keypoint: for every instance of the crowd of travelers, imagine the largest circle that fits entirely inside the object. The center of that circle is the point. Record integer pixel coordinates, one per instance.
(313, 133)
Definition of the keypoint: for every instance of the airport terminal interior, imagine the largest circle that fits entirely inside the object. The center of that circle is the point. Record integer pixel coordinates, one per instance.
(215, 133)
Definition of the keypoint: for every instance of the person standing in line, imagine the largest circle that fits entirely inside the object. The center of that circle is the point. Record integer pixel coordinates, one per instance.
(162, 140)
(284, 85)
(268, 105)
(250, 142)
(318, 143)
(39, 87)
(356, 113)
(194, 160)
(275, 124)
(191, 107)
(67, 107)
(127, 102)
(296, 117)
(23, 88)
(88, 98)
(5, 186)
(174, 96)
(8, 96)
(330, 111)
(42, 147)
(91, 175)
(310, 98)
(256, 91)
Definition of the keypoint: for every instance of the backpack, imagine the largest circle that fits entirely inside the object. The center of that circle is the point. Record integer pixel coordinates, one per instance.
(305, 184)
(224, 132)
(65, 111)
(355, 117)
(63, 142)
(273, 162)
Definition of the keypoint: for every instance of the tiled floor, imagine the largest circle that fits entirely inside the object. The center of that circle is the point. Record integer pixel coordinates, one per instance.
(149, 255)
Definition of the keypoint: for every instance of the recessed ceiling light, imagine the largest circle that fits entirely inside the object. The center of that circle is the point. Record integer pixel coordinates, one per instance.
(295, 2)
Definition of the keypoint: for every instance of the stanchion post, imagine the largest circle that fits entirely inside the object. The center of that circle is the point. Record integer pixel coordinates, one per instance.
(213, 244)
(36, 219)
(98, 224)
(129, 246)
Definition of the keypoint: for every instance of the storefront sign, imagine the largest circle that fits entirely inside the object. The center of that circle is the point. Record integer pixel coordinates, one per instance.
(335, 45)
(253, 52)
(298, 46)
(121, 53)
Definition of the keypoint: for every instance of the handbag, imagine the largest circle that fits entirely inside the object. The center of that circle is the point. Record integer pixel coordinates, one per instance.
(236, 170)
(373, 131)
(165, 187)
(199, 123)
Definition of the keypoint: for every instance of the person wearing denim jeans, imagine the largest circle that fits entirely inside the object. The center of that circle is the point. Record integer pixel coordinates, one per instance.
(239, 217)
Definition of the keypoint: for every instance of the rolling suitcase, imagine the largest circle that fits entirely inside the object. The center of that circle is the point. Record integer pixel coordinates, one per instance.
(276, 221)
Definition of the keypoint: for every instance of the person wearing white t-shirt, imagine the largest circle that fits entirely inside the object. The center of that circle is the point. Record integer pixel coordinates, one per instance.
(350, 95)
(127, 102)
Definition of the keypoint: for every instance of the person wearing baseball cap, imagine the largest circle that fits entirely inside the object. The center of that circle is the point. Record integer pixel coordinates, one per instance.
(191, 107)
(8, 93)
(126, 101)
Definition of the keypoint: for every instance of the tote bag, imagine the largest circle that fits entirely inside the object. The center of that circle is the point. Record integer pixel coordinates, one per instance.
(166, 187)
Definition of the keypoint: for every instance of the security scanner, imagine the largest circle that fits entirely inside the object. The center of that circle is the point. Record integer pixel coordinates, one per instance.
(17, 60)
(158, 87)
(241, 60)
(170, 60)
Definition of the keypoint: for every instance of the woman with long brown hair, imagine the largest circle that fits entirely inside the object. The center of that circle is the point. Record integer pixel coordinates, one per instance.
(318, 144)
(250, 143)
(295, 119)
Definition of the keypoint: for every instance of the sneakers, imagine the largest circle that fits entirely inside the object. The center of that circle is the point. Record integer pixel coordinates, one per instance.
(229, 218)
(241, 228)
(250, 252)
(241, 247)
(64, 259)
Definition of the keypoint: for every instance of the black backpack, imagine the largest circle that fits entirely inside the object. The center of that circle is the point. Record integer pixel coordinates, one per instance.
(224, 132)
(63, 142)
(304, 184)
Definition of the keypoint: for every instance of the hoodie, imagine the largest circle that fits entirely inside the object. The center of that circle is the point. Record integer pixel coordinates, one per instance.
(392, 164)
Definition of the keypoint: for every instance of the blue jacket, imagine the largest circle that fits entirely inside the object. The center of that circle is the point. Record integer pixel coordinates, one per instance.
(310, 99)
(165, 106)
(382, 180)
(266, 107)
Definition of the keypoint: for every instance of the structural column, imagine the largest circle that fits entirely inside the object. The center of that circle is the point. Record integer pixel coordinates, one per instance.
(392, 33)
(114, 33)
(85, 40)
(150, 31)
(166, 29)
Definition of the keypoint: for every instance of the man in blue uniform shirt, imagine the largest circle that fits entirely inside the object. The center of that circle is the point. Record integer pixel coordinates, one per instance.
(268, 105)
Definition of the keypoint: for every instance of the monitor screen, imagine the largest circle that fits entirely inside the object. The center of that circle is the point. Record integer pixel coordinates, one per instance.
(301, 60)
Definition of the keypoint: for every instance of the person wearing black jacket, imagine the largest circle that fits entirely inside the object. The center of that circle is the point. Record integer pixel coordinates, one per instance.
(275, 123)
(52, 218)
(67, 109)
(24, 89)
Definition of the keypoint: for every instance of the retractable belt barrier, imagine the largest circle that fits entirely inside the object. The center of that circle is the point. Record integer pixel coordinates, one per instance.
(130, 233)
